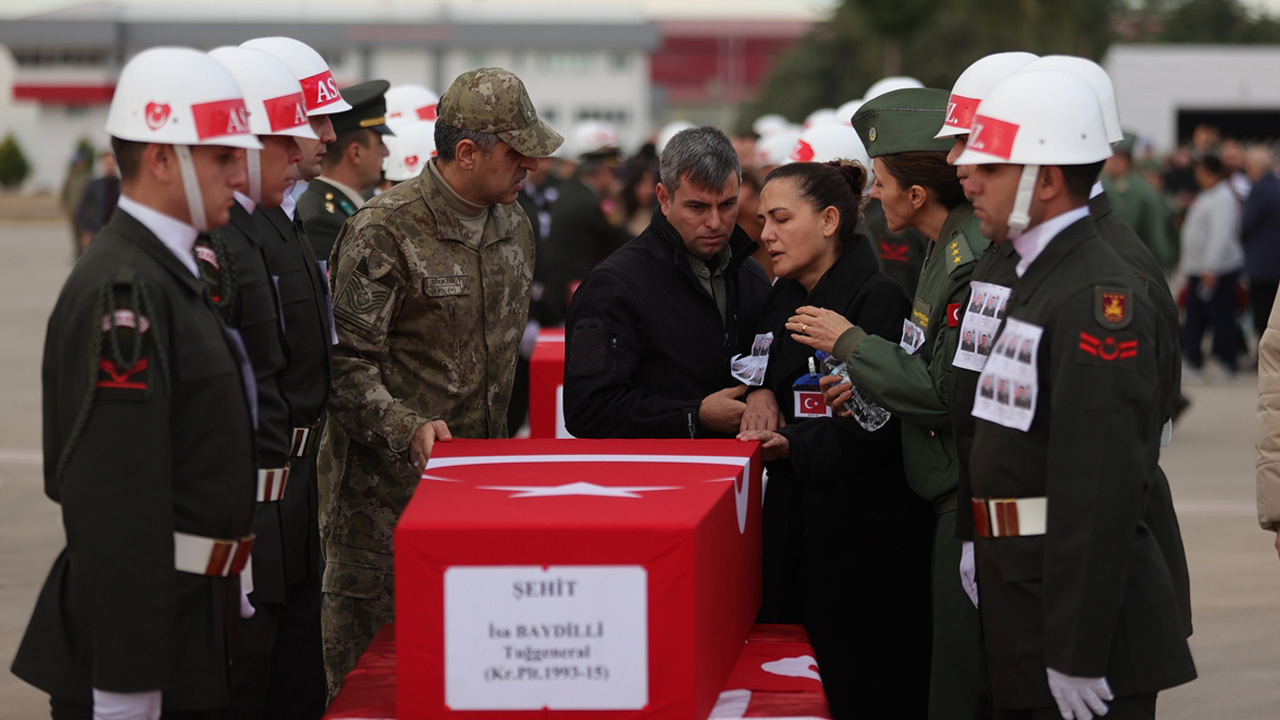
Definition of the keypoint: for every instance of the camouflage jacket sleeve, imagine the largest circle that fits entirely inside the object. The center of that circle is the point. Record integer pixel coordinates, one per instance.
(370, 281)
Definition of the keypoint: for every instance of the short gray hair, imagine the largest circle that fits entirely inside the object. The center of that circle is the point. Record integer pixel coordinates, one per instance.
(704, 156)
(448, 137)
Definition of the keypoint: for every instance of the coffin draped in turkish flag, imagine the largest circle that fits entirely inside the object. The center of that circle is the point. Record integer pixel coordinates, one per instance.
(615, 576)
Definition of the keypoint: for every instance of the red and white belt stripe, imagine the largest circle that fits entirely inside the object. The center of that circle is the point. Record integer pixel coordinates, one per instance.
(305, 440)
(210, 556)
(271, 483)
(1009, 517)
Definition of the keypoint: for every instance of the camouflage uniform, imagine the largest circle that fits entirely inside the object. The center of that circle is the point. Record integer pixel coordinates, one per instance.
(428, 328)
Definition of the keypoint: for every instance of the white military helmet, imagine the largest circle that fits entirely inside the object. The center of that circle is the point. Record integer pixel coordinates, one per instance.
(273, 97)
(825, 143)
(157, 102)
(773, 150)
(319, 89)
(592, 136)
(889, 84)
(846, 111)
(822, 116)
(669, 131)
(1035, 118)
(1097, 78)
(973, 85)
(769, 124)
(409, 150)
(409, 104)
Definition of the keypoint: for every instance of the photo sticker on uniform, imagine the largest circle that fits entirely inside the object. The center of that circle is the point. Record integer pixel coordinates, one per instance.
(447, 285)
(361, 302)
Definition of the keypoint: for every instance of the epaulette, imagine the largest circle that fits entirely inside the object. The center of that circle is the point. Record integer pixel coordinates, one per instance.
(964, 245)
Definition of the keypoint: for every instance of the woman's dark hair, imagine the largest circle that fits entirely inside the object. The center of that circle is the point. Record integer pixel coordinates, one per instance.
(633, 173)
(930, 171)
(836, 184)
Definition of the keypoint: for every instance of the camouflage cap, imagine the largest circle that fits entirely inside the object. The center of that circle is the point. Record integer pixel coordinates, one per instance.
(903, 121)
(493, 100)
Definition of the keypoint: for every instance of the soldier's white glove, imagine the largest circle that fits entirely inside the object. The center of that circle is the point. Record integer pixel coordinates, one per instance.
(1077, 696)
(126, 706)
(529, 340)
(246, 608)
(968, 573)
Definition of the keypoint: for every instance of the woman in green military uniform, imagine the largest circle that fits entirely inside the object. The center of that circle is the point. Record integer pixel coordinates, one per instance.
(911, 379)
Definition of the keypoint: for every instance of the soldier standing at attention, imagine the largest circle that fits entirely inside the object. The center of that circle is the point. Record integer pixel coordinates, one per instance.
(148, 438)
(446, 255)
(1079, 611)
(352, 165)
(297, 684)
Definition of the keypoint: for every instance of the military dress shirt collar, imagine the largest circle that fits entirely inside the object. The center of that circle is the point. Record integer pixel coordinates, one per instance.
(1096, 190)
(290, 203)
(1033, 242)
(176, 235)
(246, 202)
(347, 190)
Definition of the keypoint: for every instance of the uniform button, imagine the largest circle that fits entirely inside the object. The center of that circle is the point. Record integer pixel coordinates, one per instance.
(397, 445)
(932, 434)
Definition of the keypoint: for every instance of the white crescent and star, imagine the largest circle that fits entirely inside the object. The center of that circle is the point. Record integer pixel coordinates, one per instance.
(579, 488)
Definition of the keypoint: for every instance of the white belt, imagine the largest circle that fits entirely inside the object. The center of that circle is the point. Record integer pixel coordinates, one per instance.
(210, 556)
(1009, 517)
(271, 483)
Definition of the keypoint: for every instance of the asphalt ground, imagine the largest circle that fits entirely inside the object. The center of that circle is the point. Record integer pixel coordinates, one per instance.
(1235, 572)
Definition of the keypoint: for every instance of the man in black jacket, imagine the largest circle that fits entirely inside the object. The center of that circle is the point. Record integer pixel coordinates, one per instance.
(651, 330)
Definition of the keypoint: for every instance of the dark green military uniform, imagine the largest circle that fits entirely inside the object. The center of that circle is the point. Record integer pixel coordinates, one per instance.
(323, 210)
(1091, 596)
(916, 388)
(323, 207)
(1160, 515)
(147, 431)
(1141, 207)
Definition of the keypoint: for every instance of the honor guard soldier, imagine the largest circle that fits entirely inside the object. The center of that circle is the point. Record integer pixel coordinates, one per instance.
(911, 379)
(1079, 610)
(447, 254)
(244, 286)
(352, 165)
(1120, 237)
(148, 436)
(297, 685)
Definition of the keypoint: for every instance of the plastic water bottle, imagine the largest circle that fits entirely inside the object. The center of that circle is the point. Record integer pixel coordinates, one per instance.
(869, 415)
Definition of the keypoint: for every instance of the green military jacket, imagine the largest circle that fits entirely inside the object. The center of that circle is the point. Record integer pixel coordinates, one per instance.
(916, 387)
(429, 324)
(1144, 210)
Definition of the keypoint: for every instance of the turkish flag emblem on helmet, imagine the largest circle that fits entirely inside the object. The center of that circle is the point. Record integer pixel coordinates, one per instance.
(411, 163)
(157, 115)
(803, 152)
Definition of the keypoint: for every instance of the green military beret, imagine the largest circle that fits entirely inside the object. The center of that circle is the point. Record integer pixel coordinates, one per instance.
(1125, 146)
(903, 121)
(368, 108)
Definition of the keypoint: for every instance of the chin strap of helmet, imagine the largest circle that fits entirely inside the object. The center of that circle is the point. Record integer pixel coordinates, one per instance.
(191, 187)
(1020, 216)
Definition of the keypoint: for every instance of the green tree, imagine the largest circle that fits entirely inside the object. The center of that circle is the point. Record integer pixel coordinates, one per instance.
(14, 167)
(1216, 21)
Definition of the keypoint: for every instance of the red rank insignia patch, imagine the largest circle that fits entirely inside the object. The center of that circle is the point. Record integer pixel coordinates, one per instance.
(122, 379)
(1101, 351)
(896, 253)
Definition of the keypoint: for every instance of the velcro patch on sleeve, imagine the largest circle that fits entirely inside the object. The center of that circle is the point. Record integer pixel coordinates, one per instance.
(589, 348)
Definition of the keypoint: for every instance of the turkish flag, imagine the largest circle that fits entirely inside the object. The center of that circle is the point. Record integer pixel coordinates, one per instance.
(546, 386)
(685, 511)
